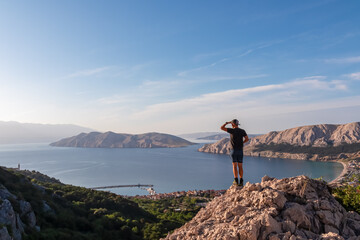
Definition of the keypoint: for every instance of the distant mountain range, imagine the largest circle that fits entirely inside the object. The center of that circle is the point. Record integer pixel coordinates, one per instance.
(121, 140)
(315, 142)
(209, 135)
(15, 132)
(214, 137)
(198, 135)
(223, 135)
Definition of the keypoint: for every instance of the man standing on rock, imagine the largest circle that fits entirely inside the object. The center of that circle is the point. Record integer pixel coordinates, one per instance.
(238, 137)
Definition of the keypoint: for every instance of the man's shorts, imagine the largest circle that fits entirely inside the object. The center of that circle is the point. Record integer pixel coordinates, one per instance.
(237, 155)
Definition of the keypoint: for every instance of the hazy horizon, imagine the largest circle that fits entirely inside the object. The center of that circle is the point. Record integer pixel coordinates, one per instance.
(180, 67)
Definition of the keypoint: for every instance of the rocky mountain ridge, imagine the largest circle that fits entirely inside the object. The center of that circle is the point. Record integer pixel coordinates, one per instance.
(16, 215)
(291, 208)
(121, 140)
(321, 135)
(315, 142)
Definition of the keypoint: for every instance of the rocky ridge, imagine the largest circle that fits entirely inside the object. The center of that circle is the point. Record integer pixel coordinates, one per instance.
(117, 140)
(14, 222)
(315, 135)
(320, 136)
(288, 209)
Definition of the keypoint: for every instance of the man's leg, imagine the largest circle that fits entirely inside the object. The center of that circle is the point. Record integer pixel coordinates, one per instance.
(240, 169)
(235, 169)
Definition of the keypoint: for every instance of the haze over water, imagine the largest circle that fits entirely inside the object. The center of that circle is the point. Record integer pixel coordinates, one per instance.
(168, 169)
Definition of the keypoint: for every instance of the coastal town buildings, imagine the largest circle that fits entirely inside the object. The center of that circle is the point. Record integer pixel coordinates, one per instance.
(351, 175)
(190, 193)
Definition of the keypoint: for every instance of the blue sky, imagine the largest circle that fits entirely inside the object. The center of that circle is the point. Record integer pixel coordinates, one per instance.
(180, 66)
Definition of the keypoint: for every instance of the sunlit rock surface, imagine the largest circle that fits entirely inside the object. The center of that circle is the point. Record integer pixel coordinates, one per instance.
(289, 208)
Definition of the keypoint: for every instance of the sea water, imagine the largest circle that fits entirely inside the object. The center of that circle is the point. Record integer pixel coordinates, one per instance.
(168, 169)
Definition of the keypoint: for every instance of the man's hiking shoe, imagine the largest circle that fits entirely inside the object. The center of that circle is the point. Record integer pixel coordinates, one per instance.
(235, 182)
(241, 182)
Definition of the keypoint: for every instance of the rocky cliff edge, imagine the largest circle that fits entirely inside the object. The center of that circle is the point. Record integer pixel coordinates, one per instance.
(285, 209)
(15, 216)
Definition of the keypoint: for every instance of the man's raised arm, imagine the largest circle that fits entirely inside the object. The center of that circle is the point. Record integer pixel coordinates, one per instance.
(223, 126)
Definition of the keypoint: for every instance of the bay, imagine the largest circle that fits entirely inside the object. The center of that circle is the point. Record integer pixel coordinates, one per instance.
(168, 169)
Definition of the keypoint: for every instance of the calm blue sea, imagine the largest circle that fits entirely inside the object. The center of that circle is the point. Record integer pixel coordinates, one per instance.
(168, 169)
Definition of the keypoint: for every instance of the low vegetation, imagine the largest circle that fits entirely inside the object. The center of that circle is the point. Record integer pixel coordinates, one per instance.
(70, 212)
(311, 150)
(349, 195)
(171, 212)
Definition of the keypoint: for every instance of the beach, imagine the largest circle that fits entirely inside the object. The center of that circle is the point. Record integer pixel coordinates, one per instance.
(336, 181)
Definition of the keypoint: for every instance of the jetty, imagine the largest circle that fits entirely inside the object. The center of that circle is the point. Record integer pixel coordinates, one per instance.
(120, 186)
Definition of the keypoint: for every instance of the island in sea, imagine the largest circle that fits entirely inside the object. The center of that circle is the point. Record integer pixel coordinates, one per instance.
(321, 142)
(35, 206)
(122, 140)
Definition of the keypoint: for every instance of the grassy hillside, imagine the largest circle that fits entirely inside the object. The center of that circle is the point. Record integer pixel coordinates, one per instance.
(70, 212)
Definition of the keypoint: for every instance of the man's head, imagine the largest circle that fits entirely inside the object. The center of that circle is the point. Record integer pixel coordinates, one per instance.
(235, 123)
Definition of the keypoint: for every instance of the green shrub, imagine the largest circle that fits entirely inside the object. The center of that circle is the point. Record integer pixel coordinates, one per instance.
(80, 213)
(349, 197)
(321, 151)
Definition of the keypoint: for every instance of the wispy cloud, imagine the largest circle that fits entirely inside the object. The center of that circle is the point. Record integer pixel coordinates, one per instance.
(317, 82)
(343, 60)
(146, 92)
(229, 56)
(132, 71)
(222, 60)
(225, 78)
(160, 87)
(130, 110)
(123, 71)
(184, 73)
(115, 99)
(253, 97)
(204, 56)
(355, 76)
(87, 72)
(340, 38)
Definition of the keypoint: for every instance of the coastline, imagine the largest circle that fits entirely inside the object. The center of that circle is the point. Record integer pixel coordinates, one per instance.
(342, 174)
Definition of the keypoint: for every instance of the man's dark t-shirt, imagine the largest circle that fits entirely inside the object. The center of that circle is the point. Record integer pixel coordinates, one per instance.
(236, 137)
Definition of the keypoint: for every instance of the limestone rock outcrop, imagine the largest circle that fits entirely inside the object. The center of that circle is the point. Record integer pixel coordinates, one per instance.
(14, 222)
(315, 135)
(286, 209)
(222, 146)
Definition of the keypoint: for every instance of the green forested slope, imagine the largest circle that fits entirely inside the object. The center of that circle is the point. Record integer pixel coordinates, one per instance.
(70, 212)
